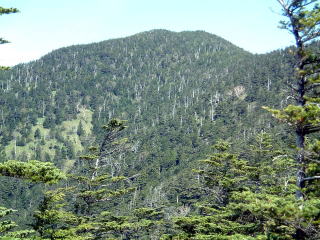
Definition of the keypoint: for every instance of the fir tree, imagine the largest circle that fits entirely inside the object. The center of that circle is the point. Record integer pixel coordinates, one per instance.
(33, 171)
(95, 187)
(53, 221)
(303, 22)
(303, 116)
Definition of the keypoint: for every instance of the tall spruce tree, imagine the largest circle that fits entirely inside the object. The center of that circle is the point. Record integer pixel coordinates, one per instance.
(53, 220)
(303, 22)
(97, 183)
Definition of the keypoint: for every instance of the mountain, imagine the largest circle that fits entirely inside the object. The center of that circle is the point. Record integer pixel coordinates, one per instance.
(179, 92)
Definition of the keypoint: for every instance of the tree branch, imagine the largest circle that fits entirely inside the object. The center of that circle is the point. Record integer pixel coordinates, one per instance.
(311, 129)
(312, 160)
(310, 178)
(314, 85)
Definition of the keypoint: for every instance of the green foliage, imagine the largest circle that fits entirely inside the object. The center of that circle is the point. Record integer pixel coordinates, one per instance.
(19, 235)
(8, 10)
(260, 203)
(32, 170)
(52, 221)
(303, 17)
(138, 226)
(179, 92)
(305, 117)
(224, 168)
(6, 225)
(94, 188)
(303, 21)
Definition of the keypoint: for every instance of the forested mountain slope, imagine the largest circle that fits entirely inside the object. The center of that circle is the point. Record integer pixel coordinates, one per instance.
(179, 93)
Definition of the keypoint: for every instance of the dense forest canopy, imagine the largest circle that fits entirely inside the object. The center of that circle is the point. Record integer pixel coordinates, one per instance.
(164, 135)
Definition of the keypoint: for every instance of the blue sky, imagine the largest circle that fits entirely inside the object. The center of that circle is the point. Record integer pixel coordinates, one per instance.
(45, 25)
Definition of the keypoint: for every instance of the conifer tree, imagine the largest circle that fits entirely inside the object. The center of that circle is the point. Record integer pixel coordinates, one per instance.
(53, 220)
(260, 201)
(95, 186)
(33, 171)
(303, 22)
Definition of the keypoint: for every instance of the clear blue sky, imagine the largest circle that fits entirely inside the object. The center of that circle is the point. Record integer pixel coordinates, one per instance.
(45, 25)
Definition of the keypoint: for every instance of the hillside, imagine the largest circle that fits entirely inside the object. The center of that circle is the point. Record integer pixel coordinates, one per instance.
(179, 92)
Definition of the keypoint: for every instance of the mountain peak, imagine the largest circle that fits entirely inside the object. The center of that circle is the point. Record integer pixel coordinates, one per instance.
(159, 41)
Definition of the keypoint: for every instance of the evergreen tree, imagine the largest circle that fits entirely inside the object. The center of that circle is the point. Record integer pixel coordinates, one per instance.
(303, 116)
(53, 221)
(251, 199)
(95, 187)
(33, 171)
(82, 210)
